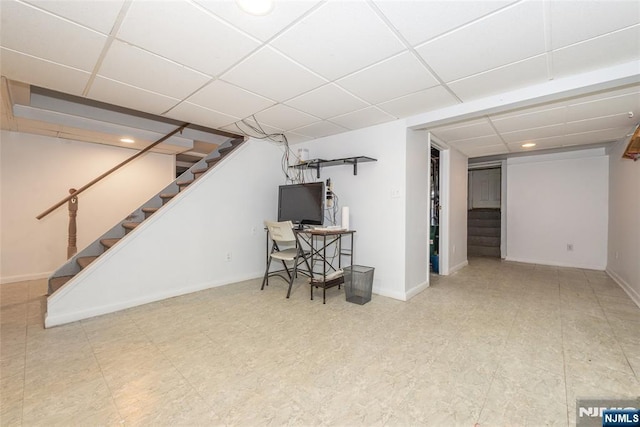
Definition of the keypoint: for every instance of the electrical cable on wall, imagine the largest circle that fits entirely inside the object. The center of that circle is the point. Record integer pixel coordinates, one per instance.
(256, 131)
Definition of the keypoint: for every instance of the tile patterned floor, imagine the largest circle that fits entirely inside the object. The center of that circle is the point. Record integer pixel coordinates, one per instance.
(495, 344)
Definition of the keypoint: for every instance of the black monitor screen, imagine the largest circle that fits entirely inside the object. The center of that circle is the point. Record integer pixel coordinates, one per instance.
(301, 203)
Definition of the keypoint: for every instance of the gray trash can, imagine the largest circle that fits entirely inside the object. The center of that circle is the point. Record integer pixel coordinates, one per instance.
(358, 282)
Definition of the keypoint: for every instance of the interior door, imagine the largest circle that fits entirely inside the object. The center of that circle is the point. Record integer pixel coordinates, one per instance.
(485, 188)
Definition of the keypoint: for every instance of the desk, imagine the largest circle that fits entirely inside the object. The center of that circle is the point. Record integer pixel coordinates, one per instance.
(318, 241)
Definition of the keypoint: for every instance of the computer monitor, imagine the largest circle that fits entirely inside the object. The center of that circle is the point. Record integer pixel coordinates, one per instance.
(301, 203)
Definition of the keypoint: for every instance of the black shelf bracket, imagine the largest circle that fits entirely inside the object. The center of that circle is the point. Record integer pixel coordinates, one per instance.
(317, 164)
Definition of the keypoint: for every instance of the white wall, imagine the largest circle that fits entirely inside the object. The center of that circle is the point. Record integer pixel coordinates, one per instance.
(558, 199)
(183, 247)
(376, 213)
(457, 200)
(624, 221)
(417, 212)
(38, 171)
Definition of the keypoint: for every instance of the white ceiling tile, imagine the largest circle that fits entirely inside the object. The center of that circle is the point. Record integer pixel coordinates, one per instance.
(261, 27)
(605, 106)
(534, 134)
(541, 144)
(192, 113)
(512, 34)
(362, 118)
(184, 33)
(566, 139)
(284, 117)
(611, 49)
(271, 74)
(621, 121)
(510, 77)
(339, 38)
(419, 102)
(116, 93)
(295, 138)
(528, 120)
(97, 15)
(478, 141)
(320, 129)
(459, 131)
(222, 96)
(249, 127)
(28, 69)
(404, 73)
(136, 67)
(327, 101)
(575, 21)
(419, 21)
(481, 151)
(72, 45)
(594, 137)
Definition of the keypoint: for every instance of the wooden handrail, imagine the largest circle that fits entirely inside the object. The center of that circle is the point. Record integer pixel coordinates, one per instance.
(110, 171)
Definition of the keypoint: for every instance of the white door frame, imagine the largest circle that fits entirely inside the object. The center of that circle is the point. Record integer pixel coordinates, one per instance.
(502, 164)
(443, 250)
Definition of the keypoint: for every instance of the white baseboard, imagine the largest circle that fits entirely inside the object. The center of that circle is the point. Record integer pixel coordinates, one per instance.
(633, 294)
(24, 277)
(390, 294)
(458, 267)
(555, 263)
(416, 290)
(52, 318)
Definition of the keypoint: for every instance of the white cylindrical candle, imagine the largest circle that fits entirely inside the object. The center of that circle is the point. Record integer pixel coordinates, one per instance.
(345, 217)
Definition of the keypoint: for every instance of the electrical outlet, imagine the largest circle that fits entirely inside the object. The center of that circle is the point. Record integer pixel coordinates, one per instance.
(229, 256)
(569, 247)
(395, 193)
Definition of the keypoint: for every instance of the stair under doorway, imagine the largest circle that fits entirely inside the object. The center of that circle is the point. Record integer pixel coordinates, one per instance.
(483, 232)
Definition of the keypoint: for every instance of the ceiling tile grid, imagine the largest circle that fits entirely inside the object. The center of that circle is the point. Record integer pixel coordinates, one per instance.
(339, 38)
(66, 43)
(316, 68)
(180, 31)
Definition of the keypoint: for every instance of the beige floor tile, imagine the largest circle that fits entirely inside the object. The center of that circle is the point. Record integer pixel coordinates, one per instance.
(496, 343)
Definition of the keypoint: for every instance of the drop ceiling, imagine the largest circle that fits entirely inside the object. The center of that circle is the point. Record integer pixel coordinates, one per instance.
(316, 68)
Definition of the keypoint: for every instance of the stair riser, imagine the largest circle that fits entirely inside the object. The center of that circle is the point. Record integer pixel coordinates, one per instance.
(483, 241)
(495, 223)
(483, 231)
(483, 251)
(483, 215)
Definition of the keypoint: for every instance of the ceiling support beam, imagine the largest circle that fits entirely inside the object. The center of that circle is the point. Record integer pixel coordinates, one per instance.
(552, 91)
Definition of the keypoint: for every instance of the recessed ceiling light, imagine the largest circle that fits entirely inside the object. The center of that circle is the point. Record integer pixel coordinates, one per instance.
(529, 145)
(256, 7)
(127, 140)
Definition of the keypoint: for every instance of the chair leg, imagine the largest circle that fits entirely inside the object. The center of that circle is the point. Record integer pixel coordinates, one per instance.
(291, 276)
(265, 280)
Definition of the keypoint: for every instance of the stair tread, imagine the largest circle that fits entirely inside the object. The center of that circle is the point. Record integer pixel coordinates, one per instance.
(199, 170)
(168, 195)
(130, 225)
(57, 282)
(149, 209)
(214, 160)
(107, 243)
(182, 183)
(85, 260)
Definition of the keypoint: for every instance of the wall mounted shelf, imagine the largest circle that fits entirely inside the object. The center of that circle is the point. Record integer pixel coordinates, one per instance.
(317, 164)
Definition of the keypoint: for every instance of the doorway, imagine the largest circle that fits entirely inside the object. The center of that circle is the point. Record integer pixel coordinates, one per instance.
(484, 224)
(434, 209)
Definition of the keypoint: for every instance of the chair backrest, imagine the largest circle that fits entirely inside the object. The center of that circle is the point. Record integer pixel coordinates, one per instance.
(281, 232)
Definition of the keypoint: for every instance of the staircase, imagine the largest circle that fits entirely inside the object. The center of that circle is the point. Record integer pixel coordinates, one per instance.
(85, 257)
(483, 232)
